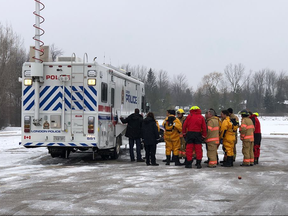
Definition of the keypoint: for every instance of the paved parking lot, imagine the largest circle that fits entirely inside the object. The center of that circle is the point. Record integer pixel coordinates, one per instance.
(38, 184)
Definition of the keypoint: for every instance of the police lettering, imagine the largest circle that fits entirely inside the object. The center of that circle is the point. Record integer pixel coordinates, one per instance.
(130, 98)
(51, 77)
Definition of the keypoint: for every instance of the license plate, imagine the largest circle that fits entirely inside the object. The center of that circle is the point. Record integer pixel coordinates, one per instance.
(59, 138)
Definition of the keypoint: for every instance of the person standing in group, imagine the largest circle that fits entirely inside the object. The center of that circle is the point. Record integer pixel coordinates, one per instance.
(227, 135)
(235, 121)
(247, 137)
(212, 139)
(133, 132)
(172, 132)
(257, 136)
(182, 151)
(150, 135)
(194, 129)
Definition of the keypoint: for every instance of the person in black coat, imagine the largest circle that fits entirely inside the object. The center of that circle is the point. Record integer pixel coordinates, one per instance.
(150, 135)
(133, 132)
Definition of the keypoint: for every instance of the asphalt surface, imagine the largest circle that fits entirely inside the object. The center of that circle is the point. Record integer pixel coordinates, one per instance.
(41, 185)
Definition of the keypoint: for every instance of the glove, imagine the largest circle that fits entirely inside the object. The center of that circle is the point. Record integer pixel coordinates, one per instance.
(221, 141)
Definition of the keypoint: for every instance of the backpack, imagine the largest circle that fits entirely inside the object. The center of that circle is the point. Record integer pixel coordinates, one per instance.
(169, 125)
(235, 124)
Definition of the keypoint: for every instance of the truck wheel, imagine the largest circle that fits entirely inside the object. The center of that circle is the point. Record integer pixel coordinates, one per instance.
(105, 157)
(116, 151)
(53, 155)
(63, 153)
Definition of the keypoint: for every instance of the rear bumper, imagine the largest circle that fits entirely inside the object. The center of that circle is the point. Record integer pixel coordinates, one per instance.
(59, 144)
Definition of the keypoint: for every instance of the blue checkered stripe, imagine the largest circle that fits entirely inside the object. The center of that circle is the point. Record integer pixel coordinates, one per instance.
(51, 98)
(43, 144)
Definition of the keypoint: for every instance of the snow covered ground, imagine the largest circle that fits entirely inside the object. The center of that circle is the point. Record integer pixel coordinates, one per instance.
(33, 183)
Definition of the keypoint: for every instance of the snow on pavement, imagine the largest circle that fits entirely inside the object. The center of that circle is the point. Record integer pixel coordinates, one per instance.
(31, 182)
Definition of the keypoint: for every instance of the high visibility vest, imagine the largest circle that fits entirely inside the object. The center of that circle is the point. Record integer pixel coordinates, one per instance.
(247, 129)
(212, 130)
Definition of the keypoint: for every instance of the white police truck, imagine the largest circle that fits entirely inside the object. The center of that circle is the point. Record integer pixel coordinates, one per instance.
(70, 106)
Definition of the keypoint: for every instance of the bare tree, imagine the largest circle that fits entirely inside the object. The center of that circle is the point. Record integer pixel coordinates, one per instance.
(258, 88)
(55, 52)
(179, 87)
(271, 81)
(137, 71)
(234, 75)
(12, 56)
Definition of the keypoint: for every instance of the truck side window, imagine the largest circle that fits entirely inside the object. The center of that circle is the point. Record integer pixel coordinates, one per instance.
(112, 96)
(104, 88)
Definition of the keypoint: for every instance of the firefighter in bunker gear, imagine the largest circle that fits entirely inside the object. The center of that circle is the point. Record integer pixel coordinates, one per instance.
(182, 118)
(227, 134)
(194, 129)
(172, 132)
(235, 120)
(212, 138)
(247, 137)
(257, 136)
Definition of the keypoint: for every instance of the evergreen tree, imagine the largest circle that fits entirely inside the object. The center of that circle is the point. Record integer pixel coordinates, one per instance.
(151, 91)
(269, 102)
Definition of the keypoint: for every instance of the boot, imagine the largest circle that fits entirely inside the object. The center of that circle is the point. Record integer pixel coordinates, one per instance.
(177, 162)
(173, 158)
(228, 162)
(224, 159)
(255, 160)
(207, 161)
(198, 164)
(185, 162)
(165, 160)
(168, 158)
(188, 164)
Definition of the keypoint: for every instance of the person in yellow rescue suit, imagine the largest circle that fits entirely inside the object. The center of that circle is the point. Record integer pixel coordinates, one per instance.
(182, 151)
(227, 135)
(247, 137)
(235, 121)
(173, 128)
(212, 138)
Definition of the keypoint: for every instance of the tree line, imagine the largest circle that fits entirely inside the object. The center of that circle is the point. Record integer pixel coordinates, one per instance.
(12, 56)
(264, 91)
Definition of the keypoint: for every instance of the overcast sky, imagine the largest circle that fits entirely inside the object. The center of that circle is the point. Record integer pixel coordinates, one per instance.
(178, 36)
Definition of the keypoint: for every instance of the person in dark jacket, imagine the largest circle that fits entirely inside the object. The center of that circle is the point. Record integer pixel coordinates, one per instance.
(133, 132)
(150, 135)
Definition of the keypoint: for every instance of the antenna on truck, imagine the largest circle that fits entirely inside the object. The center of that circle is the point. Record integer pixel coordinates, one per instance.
(39, 6)
(37, 72)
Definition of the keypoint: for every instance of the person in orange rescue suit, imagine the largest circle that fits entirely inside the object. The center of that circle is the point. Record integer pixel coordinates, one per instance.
(247, 137)
(182, 151)
(194, 129)
(235, 120)
(172, 159)
(212, 138)
(172, 132)
(227, 135)
(219, 123)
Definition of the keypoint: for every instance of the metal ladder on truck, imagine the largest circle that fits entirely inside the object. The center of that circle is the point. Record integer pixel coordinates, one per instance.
(77, 100)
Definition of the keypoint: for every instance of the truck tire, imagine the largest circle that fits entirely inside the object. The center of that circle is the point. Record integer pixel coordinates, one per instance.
(116, 151)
